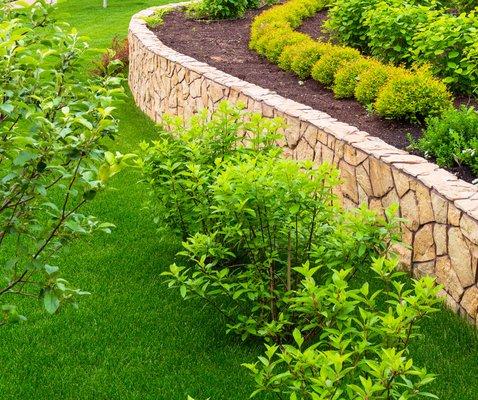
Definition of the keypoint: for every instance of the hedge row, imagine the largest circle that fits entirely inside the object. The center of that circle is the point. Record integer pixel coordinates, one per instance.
(392, 92)
(412, 32)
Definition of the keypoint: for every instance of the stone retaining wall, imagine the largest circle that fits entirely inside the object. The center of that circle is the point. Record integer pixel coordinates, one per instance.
(442, 210)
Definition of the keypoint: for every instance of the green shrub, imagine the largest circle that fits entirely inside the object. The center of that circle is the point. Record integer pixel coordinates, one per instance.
(412, 96)
(273, 46)
(181, 164)
(352, 347)
(324, 70)
(346, 22)
(220, 9)
(371, 81)
(299, 58)
(449, 44)
(391, 27)
(347, 76)
(156, 19)
(270, 215)
(452, 138)
(54, 125)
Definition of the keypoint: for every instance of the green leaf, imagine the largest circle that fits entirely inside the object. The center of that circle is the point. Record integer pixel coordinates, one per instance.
(51, 302)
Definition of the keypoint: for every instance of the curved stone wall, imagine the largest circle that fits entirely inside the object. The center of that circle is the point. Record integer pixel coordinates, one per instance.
(441, 210)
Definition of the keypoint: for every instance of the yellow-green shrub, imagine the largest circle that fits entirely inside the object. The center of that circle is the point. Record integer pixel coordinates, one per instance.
(370, 81)
(412, 96)
(274, 44)
(346, 77)
(324, 70)
(291, 52)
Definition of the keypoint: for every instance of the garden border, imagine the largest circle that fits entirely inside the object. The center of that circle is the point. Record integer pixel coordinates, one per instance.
(442, 210)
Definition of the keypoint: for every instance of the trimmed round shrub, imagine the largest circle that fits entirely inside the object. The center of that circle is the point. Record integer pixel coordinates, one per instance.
(274, 43)
(306, 55)
(370, 81)
(324, 70)
(302, 49)
(413, 96)
(347, 75)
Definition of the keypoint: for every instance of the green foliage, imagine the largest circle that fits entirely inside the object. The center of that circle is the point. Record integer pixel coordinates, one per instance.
(449, 43)
(347, 76)
(324, 70)
(221, 9)
(115, 60)
(412, 96)
(371, 81)
(391, 29)
(452, 139)
(52, 157)
(182, 164)
(346, 22)
(268, 215)
(352, 347)
(300, 58)
(156, 19)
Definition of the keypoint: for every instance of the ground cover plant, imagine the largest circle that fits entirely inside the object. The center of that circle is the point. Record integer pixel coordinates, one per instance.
(131, 338)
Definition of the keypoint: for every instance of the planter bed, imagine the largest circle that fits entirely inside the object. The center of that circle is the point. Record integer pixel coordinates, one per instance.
(224, 45)
(442, 210)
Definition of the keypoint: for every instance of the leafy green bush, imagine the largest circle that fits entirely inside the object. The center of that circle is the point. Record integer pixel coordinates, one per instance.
(353, 348)
(299, 58)
(347, 76)
(449, 44)
(221, 9)
(182, 164)
(324, 70)
(346, 22)
(391, 27)
(53, 161)
(371, 81)
(267, 216)
(412, 97)
(452, 139)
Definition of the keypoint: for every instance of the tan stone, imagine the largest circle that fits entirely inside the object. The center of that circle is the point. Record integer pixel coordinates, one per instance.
(470, 301)
(469, 227)
(409, 210)
(352, 156)
(390, 198)
(440, 236)
(440, 208)
(447, 277)
(303, 151)
(453, 215)
(423, 245)
(349, 183)
(450, 302)
(363, 180)
(380, 177)
(425, 211)
(423, 269)
(376, 205)
(402, 182)
(460, 257)
(327, 155)
(404, 254)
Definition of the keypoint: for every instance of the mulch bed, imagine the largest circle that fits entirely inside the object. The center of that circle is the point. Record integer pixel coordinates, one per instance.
(224, 45)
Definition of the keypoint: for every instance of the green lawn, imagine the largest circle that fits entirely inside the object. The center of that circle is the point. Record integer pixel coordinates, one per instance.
(133, 338)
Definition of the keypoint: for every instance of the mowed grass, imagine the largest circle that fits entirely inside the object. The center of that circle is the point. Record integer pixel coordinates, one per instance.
(135, 339)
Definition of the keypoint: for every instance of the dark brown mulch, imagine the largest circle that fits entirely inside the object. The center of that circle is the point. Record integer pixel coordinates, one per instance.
(224, 45)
